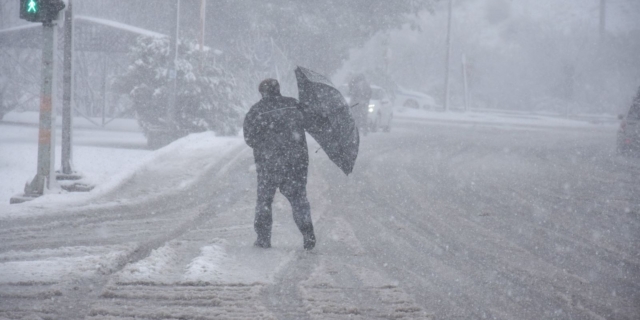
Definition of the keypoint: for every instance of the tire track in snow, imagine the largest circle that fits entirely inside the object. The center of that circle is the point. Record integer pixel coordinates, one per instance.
(211, 271)
(77, 293)
(313, 286)
(422, 228)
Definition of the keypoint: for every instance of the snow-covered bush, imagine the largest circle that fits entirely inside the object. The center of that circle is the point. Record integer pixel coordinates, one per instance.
(205, 94)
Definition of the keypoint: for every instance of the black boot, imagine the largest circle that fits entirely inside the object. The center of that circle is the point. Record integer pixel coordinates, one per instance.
(262, 226)
(262, 243)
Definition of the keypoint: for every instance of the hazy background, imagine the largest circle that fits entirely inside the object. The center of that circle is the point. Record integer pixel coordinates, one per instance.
(536, 55)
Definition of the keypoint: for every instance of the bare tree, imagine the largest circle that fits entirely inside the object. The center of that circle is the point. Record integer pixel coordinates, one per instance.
(19, 86)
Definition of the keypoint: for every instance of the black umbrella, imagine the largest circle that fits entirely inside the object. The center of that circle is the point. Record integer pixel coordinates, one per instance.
(328, 118)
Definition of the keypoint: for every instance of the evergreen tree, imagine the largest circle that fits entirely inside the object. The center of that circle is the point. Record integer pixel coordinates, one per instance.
(205, 96)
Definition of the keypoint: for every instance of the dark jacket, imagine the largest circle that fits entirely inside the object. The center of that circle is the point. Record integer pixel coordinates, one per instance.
(274, 128)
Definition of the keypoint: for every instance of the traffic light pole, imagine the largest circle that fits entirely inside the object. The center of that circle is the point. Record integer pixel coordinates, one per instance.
(45, 11)
(447, 64)
(66, 156)
(44, 174)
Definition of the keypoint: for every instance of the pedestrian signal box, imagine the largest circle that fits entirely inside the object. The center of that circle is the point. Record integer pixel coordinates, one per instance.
(40, 10)
(30, 10)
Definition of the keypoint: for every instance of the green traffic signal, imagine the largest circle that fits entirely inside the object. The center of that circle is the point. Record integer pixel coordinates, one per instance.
(40, 10)
(33, 10)
(32, 6)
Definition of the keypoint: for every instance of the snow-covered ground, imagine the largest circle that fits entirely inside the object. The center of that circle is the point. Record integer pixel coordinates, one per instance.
(465, 225)
(106, 157)
(99, 154)
(506, 118)
(97, 164)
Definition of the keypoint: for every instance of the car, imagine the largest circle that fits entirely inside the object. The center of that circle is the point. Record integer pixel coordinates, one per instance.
(406, 98)
(380, 110)
(628, 140)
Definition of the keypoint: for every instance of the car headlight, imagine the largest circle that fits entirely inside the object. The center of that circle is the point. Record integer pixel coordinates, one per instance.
(371, 107)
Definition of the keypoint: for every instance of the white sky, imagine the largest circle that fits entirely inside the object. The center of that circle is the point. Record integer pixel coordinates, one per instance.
(622, 15)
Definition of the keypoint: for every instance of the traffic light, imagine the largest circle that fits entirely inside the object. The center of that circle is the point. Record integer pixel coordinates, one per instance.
(31, 10)
(40, 10)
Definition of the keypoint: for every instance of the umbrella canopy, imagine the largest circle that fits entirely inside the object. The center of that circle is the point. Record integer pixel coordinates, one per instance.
(328, 118)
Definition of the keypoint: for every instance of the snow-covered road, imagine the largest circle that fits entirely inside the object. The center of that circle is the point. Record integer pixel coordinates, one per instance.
(436, 222)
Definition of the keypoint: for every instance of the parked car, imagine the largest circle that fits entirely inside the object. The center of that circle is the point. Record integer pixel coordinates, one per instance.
(628, 141)
(380, 110)
(414, 99)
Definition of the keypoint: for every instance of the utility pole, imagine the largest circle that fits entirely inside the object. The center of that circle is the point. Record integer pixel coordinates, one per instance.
(275, 63)
(603, 17)
(2, 15)
(203, 18)
(465, 82)
(447, 64)
(173, 74)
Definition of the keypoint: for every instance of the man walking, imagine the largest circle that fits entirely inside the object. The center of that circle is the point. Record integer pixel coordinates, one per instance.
(274, 128)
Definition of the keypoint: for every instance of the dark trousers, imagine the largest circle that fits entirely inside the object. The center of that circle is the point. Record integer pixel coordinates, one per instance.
(292, 182)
